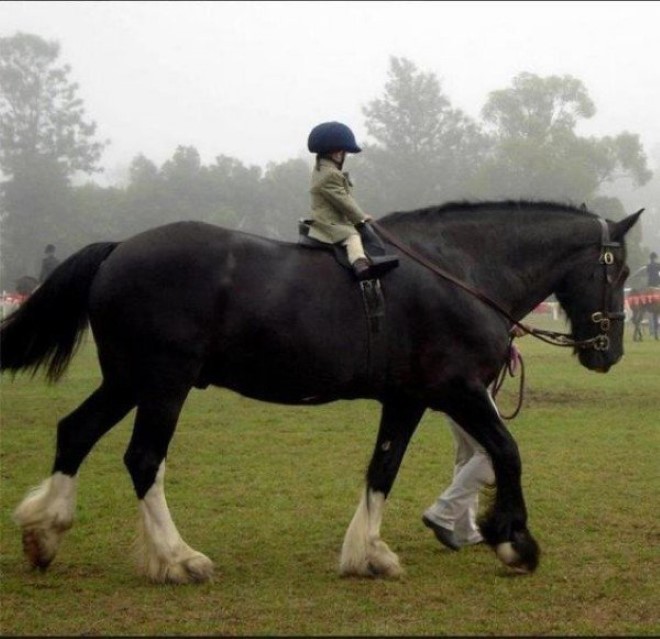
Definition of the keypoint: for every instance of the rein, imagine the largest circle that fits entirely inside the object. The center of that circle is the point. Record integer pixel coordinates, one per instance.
(603, 318)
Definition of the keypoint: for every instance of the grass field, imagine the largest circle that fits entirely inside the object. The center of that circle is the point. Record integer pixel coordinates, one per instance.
(267, 492)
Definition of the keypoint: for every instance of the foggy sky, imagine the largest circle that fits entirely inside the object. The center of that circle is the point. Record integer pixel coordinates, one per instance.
(250, 79)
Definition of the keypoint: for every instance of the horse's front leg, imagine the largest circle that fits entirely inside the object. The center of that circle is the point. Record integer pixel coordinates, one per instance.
(504, 526)
(364, 553)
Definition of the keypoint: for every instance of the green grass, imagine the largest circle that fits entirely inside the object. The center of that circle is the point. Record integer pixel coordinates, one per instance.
(267, 492)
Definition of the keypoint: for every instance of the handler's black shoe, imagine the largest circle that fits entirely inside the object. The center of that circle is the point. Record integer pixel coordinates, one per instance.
(443, 535)
(362, 269)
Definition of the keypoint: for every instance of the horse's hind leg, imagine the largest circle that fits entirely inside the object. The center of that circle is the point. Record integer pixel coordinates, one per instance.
(163, 556)
(47, 511)
(364, 553)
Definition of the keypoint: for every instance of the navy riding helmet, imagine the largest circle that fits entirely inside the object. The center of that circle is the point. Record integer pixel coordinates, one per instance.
(329, 137)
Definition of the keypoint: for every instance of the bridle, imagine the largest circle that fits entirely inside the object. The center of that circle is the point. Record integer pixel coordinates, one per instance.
(603, 318)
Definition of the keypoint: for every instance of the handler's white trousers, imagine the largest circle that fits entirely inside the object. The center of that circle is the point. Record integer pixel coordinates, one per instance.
(456, 508)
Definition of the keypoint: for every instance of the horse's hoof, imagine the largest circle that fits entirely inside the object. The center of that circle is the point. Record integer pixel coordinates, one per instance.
(521, 556)
(193, 570)
(373, 570)
(199, 569)
(384, 568)
(37, 548)
(379, 561)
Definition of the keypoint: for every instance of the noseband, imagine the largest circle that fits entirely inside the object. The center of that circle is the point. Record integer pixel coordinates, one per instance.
(603, 318)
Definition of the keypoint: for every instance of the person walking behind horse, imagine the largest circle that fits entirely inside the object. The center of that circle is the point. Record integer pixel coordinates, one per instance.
(453, 517)
(335, 212)
(48, 264)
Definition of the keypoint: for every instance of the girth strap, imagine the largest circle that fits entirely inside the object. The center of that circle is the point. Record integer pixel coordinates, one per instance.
(374, 307)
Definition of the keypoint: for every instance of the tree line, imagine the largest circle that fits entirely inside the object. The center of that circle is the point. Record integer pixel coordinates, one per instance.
(421, 151)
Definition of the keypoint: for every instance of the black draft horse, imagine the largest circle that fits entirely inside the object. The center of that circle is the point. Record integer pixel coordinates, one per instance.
(189, 304)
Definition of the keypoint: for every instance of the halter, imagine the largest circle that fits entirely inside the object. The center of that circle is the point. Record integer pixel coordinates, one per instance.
(603, 318)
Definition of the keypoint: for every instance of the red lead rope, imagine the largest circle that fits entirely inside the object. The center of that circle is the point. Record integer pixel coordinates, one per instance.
(510, 366)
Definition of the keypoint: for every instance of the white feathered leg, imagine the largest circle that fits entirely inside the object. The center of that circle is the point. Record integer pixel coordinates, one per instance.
(163, 556)
(364, 553)
(44, 515)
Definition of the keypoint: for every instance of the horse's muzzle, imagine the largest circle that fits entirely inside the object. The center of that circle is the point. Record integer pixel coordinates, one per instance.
(599, 361)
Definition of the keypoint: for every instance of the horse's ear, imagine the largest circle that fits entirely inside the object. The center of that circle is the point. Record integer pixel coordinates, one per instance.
(622, 227)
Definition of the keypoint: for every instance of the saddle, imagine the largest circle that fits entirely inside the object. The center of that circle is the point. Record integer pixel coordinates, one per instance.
(381, 261)
(372, 293)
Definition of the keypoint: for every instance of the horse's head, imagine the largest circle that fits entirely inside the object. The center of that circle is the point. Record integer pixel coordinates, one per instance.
(593, 297)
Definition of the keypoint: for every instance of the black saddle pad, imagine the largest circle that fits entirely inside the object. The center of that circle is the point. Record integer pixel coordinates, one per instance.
(373, 247)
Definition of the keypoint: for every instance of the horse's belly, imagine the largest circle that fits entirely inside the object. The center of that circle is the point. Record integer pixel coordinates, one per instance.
(288, 376)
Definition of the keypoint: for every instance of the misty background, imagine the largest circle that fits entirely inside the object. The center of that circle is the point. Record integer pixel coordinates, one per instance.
(119, 116)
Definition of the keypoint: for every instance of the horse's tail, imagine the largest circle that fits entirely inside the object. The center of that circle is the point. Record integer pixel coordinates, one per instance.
(47, 328)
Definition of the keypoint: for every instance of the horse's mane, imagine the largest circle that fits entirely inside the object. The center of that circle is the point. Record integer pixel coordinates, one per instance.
(464, 206)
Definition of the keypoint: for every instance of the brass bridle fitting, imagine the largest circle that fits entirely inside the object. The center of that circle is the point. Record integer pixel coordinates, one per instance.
(600, 318)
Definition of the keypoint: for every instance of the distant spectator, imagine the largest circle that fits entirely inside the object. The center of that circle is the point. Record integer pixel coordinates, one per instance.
(25, 285)
(48, 264)
(653, 270)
